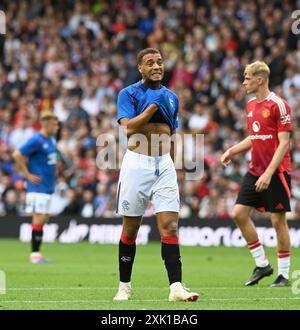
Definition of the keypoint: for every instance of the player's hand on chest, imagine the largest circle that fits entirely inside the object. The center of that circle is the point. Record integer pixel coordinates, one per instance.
(164, 100)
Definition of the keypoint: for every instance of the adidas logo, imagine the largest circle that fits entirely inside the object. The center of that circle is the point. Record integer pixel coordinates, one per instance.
(279, 206)
(250, 114)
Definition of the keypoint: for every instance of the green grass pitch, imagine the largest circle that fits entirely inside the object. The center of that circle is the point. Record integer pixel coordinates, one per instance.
(85, 276)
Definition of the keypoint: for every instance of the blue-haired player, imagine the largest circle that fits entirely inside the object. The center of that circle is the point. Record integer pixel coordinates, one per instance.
(36, 161)
(148, 111)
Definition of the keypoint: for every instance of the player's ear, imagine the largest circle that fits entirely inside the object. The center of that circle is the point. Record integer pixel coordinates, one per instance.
(260, 80)
(140, 69)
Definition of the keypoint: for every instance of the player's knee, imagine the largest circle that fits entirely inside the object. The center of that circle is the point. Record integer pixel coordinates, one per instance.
(169, 229)
(40, 219)
(238, 215)
(278, 223)
(131, 227)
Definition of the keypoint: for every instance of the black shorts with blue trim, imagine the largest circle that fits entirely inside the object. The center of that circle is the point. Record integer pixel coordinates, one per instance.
(275, 199)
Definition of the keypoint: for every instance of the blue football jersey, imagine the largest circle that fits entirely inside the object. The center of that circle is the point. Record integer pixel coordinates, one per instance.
(134, 99)
(42, 158)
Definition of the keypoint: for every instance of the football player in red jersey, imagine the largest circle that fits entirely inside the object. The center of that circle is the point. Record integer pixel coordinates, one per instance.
(266, 186)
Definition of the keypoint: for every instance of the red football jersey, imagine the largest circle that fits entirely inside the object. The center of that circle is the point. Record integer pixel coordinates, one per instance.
(265, 119)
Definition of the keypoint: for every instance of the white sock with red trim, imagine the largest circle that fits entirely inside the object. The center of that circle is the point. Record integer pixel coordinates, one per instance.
(284, 261)
(258, 253)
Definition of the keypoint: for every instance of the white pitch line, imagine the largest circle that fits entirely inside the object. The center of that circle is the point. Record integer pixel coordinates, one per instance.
(73, 301)
(250, 299)
(141, 300)
(134, 288)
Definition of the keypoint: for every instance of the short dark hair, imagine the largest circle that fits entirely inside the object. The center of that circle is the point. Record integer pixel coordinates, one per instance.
(146, 51)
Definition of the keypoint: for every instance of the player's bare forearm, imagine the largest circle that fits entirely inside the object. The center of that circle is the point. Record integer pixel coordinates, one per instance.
(20, 162)
(21, 165)
(242, 146)
(264, 180)
(133, 124)
(284, 142)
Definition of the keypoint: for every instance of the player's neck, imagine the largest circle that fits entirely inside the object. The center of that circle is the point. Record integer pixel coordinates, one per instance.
(45, 133)
(262, 94)
(151, 84)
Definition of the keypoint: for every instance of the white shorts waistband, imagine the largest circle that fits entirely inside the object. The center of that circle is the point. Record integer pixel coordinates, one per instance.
(147, 160)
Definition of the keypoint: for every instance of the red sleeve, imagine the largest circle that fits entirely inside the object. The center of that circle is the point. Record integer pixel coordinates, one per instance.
(283, 116)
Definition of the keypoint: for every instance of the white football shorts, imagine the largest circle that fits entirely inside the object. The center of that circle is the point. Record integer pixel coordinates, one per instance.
(38, 203)
(146, 178)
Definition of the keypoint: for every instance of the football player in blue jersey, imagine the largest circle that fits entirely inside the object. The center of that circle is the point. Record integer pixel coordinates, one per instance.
(36, 160)
(148, 111)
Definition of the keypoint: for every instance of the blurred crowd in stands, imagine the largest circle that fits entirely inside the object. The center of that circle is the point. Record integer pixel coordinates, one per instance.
(73, 57)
